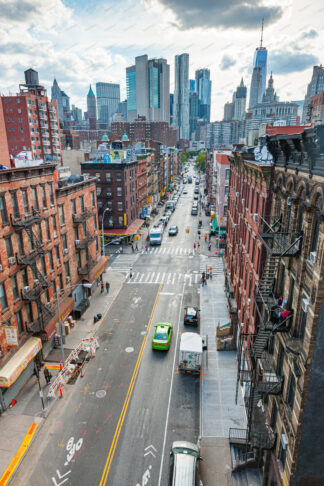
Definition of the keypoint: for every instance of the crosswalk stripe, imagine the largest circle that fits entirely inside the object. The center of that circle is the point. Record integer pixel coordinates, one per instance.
(157, 277)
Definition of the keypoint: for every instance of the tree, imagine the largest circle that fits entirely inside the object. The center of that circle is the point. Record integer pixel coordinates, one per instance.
(200, 162)
(184, 157)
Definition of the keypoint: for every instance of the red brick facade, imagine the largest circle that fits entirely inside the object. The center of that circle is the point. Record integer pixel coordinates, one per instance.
(249, 201)
(4, 152)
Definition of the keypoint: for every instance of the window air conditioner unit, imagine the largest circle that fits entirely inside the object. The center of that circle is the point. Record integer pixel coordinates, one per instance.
(255, 217)
(36, 281)
(237, 194)
(26, 289)
(249, 302)
(77, 242)
(12, 260)
(312, 257)
(235, 225)
(68, 279)
(66, 251)
(305, 304)
(55, 234)
(243, 201)
(284, 441)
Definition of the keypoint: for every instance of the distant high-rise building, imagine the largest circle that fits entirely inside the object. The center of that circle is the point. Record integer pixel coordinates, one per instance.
(315, 86)
(256, 87)
(259, 76)
(193, 111)
(181, 96)
(228, 111)
(239, 100)
(91, 109)
(122, 109)
(192, 85)
(148, 89)
(203, 89)
(57, 96)
(108, 97)
(76, 114)
(171, 107)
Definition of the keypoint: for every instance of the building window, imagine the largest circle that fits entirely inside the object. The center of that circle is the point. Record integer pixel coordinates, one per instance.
(76, 232)
(61, 214)
(34, 191)
(97, 245)
(98, 177)
(84, 228)
(43, 263)
(67, 269)
(108, 177)
(315, 232)
(61, 281)
(20, 325)
(280, 360)
(110, 221)
(118, 177)
(29, 312)
(119, 191)
(54, 224)
(43, 196)
(9, 247)
(95, 222)
(82, 203)
(282, 453)
(14, 287)
(3, 297)
(99, 191)
(227, 174)
(93, 199)
(57, 250)
(225, 211)
(51, 194)
(20, 243)
(24, 277)
(79, 260)
(51, 262)
(25, 200)
(48, 232)
(120, 220)
(291, 392)
(64, 241)
(73, 206)
(14, 203)
(119, 206)
(3, 210)
(302, 325)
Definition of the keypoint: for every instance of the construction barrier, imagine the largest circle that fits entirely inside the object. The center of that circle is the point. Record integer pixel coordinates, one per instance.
(89, 346)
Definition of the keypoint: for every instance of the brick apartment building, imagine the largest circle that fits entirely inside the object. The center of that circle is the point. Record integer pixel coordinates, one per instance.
(281, 359)
(317, 109)
(31, 121)
(141, 129)
(4, 151)
(48, 248)
(116, 189)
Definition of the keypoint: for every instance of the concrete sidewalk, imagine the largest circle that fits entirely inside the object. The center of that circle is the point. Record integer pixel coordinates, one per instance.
(218, 409)
(15, 422)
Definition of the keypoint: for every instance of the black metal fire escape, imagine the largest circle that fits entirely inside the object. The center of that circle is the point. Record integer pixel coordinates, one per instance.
(256, 369)
(41, 283)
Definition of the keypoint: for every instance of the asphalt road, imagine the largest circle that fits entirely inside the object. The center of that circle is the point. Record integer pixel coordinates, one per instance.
(115, 426)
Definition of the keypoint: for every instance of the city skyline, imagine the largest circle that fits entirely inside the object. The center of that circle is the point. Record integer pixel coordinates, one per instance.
(72, 44)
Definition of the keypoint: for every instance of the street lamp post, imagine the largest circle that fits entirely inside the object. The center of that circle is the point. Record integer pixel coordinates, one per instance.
(102, 233)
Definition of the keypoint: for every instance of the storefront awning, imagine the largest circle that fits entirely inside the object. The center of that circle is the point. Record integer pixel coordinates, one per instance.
(20, 360)
(66, 307)
(97, 269)
(132, 229)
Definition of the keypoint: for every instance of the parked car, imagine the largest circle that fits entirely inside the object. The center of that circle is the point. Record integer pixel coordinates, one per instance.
(194, 211)
(196, 190)
(191, 317)
(173, 230)
(185, 191)
(164, 220)
(162, 336)
(196, 197)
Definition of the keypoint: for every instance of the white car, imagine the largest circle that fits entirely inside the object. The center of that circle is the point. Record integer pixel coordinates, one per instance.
(185, 191)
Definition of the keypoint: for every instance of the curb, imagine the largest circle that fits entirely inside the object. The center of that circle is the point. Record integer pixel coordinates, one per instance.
(20, 454)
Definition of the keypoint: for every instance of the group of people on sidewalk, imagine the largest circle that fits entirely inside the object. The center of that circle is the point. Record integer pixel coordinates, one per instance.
(103, 285)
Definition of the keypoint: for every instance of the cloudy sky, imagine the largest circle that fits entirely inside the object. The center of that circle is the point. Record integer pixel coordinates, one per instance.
(82, 42)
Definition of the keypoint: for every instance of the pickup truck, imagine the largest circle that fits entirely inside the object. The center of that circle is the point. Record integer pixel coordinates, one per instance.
(191, 351)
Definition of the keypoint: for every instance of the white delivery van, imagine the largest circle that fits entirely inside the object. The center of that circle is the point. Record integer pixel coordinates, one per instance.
(156, 235)
(191, 351)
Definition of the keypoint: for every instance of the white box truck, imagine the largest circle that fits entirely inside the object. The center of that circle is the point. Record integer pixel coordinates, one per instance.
(191, 352)
(156, 235)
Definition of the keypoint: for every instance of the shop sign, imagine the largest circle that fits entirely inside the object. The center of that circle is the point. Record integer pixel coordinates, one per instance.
(11, 336)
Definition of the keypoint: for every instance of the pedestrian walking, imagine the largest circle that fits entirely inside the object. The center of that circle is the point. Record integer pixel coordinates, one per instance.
(198, 246)
(131, 273)
(136, 247)
(133, 248)
(102, 287)
(107, 287)
(194, 246)
(209, 246)
(205, 238)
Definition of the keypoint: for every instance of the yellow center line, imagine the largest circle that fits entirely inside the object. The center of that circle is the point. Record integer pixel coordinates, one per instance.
(114, 443)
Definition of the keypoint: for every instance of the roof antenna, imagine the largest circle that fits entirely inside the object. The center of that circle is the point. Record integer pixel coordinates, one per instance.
(261, 33)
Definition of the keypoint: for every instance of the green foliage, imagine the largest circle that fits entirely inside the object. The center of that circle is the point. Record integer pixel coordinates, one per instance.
(184, 157)
(200, 162)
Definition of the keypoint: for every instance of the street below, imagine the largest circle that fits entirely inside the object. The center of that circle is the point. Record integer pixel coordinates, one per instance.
(115, 426)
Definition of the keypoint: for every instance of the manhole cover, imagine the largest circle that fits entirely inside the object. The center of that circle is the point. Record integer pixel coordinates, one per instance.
(100, 393)
(129, 350)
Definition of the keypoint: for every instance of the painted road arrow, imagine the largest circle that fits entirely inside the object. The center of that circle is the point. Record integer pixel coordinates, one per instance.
(149, 450)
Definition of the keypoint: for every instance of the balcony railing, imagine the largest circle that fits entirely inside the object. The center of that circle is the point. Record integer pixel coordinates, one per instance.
(87, 267)
(46, 313)
(85, 242)
(27, 219)
(80, 218)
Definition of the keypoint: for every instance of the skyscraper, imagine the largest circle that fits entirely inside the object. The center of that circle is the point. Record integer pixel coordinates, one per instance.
(315, 86)
(92, 109)
(171, 108)
(181, 96)
(193, 111)
(258, 86)
(57, 96)
(108, 97)
(148, 89)
(239, 100)
(203, 89)
(228, 111)
(192, 85)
